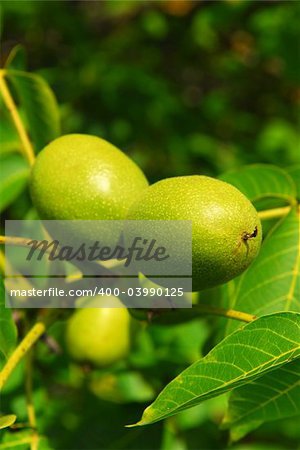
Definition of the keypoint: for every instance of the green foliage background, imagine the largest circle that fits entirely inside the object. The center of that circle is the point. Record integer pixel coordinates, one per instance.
(184, 88)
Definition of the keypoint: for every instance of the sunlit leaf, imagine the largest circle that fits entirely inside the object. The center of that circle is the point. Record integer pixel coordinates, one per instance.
(250, 352)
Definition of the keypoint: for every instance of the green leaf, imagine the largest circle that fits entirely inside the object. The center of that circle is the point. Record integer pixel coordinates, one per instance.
(8, 330)
(13, 178)
(261, 181)
(39, 105)
(272, 282)
(250, 352)
(273, 396)
(7, 421)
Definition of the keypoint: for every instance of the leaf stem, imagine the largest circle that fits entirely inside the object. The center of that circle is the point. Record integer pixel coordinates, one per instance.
(274, 213)
(25, 345)
(228, 313)
(23, 242)
(13, 240)
(12, 108)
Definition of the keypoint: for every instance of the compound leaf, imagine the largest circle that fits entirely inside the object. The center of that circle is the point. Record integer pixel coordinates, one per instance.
(250, 352)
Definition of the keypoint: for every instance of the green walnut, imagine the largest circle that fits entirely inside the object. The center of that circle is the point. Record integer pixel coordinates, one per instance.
(100, 336)
(226, 230)
(82, 177)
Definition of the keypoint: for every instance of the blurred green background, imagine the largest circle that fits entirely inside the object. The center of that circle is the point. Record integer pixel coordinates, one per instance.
(183, 87)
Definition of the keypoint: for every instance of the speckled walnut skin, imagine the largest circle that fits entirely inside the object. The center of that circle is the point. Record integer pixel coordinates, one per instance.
(82, 177)
(221, 215)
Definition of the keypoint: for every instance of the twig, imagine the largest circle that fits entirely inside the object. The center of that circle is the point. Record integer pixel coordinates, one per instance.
(13, 240)
(95, 268)
(25, 345)
(274, 213)
(229, 313)
(12, 108)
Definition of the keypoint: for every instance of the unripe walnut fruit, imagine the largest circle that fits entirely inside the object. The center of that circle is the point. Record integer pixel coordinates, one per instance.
(100, 336)
(226, 230)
